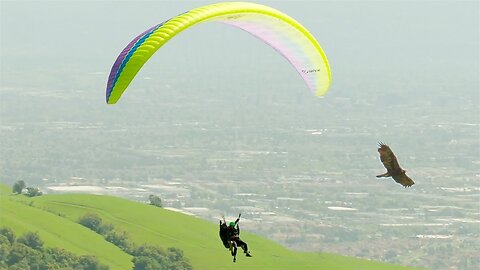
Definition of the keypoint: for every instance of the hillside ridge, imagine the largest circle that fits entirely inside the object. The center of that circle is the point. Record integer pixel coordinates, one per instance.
(55, 218)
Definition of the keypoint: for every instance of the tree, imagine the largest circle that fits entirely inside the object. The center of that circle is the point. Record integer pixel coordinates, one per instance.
(94, 223)
(119, 239)
(4, 250)
(177, 261)
(18, 187)
(20, 265)
(32, 192)
(146, 263)
(31, 239)
(155, 200)
(154, 257)
(175, 254)
(18, 253)
(7, 232)
(91, 221)
(57, 258)
(181, 265)
(88, 262)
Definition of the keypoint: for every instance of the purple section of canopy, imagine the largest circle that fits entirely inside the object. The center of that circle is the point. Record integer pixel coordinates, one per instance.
(121, 57)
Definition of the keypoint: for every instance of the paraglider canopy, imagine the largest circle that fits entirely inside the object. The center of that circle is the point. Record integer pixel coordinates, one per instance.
(280, 31)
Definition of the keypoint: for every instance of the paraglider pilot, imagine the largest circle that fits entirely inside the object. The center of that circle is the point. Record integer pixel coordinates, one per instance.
(230, 236)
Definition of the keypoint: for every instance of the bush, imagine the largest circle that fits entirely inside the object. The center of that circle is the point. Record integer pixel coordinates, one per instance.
(19, 252)
(94, 223)
(33, 192)
(57, 258)
(4, 249)
(7, 232)
(155, 200)
(88, 262)
(31, 240)
(119, 239)
(170, 259)
(91, 221)
(146, 263)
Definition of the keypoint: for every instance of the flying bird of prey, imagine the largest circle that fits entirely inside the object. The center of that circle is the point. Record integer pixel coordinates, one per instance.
(393, 168)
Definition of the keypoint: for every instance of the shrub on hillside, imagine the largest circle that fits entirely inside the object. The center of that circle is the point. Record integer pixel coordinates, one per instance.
(33, 192)
(155, 200)
(88, 262)
(172, 258)
(94, 223)
(7, 232)
(31, 240)
(119, 239)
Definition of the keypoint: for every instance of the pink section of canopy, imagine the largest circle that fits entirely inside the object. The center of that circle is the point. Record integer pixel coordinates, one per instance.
(282, 41)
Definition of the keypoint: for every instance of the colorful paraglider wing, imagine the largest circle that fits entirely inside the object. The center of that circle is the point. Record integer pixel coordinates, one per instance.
(278, 30)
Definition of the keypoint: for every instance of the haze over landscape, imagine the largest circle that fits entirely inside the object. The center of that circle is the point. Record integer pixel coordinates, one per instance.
(217, 122)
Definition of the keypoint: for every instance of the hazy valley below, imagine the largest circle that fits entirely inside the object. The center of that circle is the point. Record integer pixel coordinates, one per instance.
(300, 169)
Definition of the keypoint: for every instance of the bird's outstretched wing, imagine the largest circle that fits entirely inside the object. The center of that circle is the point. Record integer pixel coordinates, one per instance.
(403, 180)
(388, 158)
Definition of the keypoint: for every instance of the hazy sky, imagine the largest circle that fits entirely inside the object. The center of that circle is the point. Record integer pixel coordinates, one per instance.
(412, 49)
(368, 39)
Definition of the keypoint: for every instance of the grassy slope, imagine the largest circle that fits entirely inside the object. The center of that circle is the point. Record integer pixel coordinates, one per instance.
(4, 189)
(147, 224)
(59, 232)
(197, 238)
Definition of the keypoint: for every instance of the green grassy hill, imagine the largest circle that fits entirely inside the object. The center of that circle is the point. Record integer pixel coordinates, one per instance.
(54, 218)
(57, 231)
